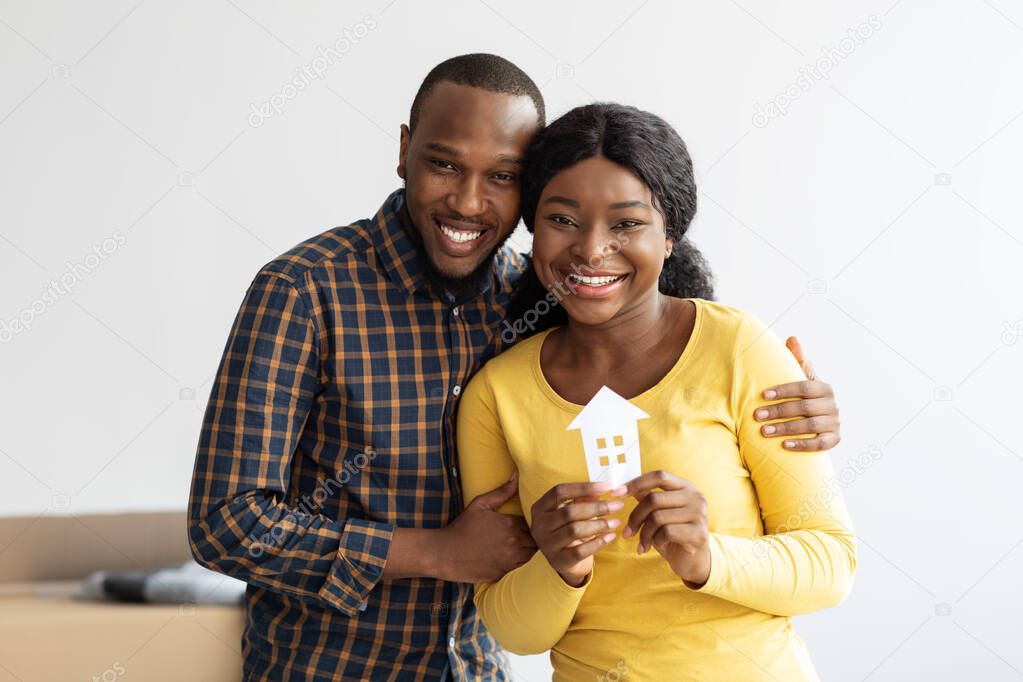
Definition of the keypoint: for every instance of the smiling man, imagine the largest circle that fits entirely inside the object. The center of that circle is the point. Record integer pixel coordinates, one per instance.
(325, 475)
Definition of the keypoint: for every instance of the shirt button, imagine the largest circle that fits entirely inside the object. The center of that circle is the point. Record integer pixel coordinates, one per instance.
(457, 390)
(455, 311)
(454, 471)
(451, 642)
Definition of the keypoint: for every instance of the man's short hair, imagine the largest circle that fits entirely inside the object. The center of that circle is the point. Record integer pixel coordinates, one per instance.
(479, 70)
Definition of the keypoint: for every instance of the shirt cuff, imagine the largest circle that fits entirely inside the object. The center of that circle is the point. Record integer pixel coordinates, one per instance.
(359, 564)
(719, 571)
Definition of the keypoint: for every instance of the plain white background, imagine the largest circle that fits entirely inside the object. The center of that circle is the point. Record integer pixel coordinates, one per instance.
(874, 211)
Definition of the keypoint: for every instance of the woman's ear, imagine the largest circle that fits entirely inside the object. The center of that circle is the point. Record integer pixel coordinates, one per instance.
(669, 246)
(403, 150)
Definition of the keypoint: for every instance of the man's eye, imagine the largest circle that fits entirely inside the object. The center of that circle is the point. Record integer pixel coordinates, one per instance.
(506, 177)
(443, 165)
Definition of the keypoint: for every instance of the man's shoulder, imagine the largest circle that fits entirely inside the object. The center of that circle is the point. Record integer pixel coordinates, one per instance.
(509, 265)
(333, 249)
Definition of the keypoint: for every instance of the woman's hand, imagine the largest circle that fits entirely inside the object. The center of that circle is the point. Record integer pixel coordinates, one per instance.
(672, 518)
(568, 528)
(810, 409)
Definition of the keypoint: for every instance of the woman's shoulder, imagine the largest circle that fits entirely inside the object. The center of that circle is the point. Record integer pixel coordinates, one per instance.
(727, 325)
(513, 364)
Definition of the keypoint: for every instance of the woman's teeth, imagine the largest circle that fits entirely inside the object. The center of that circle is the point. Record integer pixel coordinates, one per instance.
(458, 236)
(595, 281)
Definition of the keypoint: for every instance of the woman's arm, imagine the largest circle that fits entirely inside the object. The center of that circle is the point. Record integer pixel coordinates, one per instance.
(807, 558)
(531, 607)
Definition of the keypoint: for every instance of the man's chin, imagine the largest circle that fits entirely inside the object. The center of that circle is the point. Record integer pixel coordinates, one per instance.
(460, 282)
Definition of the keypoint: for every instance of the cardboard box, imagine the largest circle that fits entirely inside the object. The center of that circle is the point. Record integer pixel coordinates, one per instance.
(47, 636)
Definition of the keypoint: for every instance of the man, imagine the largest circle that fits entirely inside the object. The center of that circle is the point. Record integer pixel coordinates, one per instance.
(325, 474)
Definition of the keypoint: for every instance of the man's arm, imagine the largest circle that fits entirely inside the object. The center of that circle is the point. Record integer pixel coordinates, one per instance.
(238, 524)
(813, 412)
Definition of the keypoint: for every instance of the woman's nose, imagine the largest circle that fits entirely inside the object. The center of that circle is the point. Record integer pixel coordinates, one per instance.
(593, 247)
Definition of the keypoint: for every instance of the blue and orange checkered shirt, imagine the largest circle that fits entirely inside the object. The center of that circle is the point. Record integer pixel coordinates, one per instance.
(330, 423)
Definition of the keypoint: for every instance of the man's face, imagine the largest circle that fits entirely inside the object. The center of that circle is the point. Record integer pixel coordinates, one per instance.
(461, 167)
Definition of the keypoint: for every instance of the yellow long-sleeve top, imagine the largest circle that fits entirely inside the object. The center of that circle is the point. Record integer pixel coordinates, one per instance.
(780, 538)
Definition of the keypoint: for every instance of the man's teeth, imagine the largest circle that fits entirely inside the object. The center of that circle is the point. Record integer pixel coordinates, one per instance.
(459, 236)
(595, 281)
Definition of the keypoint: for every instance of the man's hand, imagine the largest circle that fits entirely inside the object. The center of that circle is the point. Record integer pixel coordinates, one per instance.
(813, 411)
(671, 517)
(569, 528)
(482, 544)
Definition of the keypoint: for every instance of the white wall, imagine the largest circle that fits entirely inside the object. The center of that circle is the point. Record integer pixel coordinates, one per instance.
(878, 218)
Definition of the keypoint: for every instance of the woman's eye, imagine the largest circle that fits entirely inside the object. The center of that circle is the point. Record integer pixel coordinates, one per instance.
(626, 224)
(562, 220)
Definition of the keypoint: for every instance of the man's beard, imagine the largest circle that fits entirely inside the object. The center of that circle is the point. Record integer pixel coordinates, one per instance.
(461, 288)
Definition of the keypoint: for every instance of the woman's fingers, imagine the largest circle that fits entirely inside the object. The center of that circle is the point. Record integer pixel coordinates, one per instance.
(583, 531)
(577, 553)
(665, 518)
(659, 499)
(641, 486)
(801, 427)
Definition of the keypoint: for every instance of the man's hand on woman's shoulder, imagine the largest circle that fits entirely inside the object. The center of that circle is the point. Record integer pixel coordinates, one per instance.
(809, 408)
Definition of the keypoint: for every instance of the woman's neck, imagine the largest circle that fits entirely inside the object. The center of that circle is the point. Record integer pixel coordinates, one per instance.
(621, 340)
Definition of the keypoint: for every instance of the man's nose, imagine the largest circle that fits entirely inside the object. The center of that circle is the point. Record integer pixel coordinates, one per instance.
(467, 198)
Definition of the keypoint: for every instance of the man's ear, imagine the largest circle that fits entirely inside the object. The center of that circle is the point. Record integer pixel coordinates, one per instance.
(403, 150)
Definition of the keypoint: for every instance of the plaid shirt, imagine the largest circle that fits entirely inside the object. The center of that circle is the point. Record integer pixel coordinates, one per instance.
(331, 422)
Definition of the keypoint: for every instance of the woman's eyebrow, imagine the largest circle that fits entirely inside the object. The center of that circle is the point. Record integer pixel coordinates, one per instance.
(561, 200)
(630, 204)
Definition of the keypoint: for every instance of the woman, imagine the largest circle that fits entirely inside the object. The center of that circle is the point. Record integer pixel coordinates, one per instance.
(692, 569)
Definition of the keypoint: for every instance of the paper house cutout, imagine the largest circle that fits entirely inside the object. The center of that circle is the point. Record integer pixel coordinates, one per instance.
(610, 437)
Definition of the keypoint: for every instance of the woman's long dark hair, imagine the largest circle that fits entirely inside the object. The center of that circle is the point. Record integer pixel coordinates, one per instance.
(647, 146)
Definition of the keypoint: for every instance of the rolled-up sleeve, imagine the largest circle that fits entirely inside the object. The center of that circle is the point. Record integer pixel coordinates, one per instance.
(238, 521)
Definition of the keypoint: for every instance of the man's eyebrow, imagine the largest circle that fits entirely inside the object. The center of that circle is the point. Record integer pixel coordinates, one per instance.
(630, 204)
(510, 158)
(562, 200)
(443, 149)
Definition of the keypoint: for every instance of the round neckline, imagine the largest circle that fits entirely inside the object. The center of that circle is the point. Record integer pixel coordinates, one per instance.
(683, 359)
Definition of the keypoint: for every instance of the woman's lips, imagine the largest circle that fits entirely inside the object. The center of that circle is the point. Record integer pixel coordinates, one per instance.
(595, 285)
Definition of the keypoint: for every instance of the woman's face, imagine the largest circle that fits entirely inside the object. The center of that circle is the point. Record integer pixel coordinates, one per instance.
(598, 241)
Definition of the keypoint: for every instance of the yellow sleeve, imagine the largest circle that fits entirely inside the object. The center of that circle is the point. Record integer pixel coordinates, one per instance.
(807, 558)
(531, 607)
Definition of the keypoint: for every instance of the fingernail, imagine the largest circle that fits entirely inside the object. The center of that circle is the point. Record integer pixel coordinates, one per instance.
(613, 523)
(619, 491)
(760, 414)
(769, 429)
(615, 505)
(609, 537)
(770, 394)
(790, 443)
(627, 533)
(640, 549)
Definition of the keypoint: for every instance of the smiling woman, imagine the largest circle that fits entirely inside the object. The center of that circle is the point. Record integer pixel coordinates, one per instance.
(609, 194)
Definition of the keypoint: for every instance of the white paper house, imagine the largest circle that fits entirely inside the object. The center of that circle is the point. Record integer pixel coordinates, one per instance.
(610, 437)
